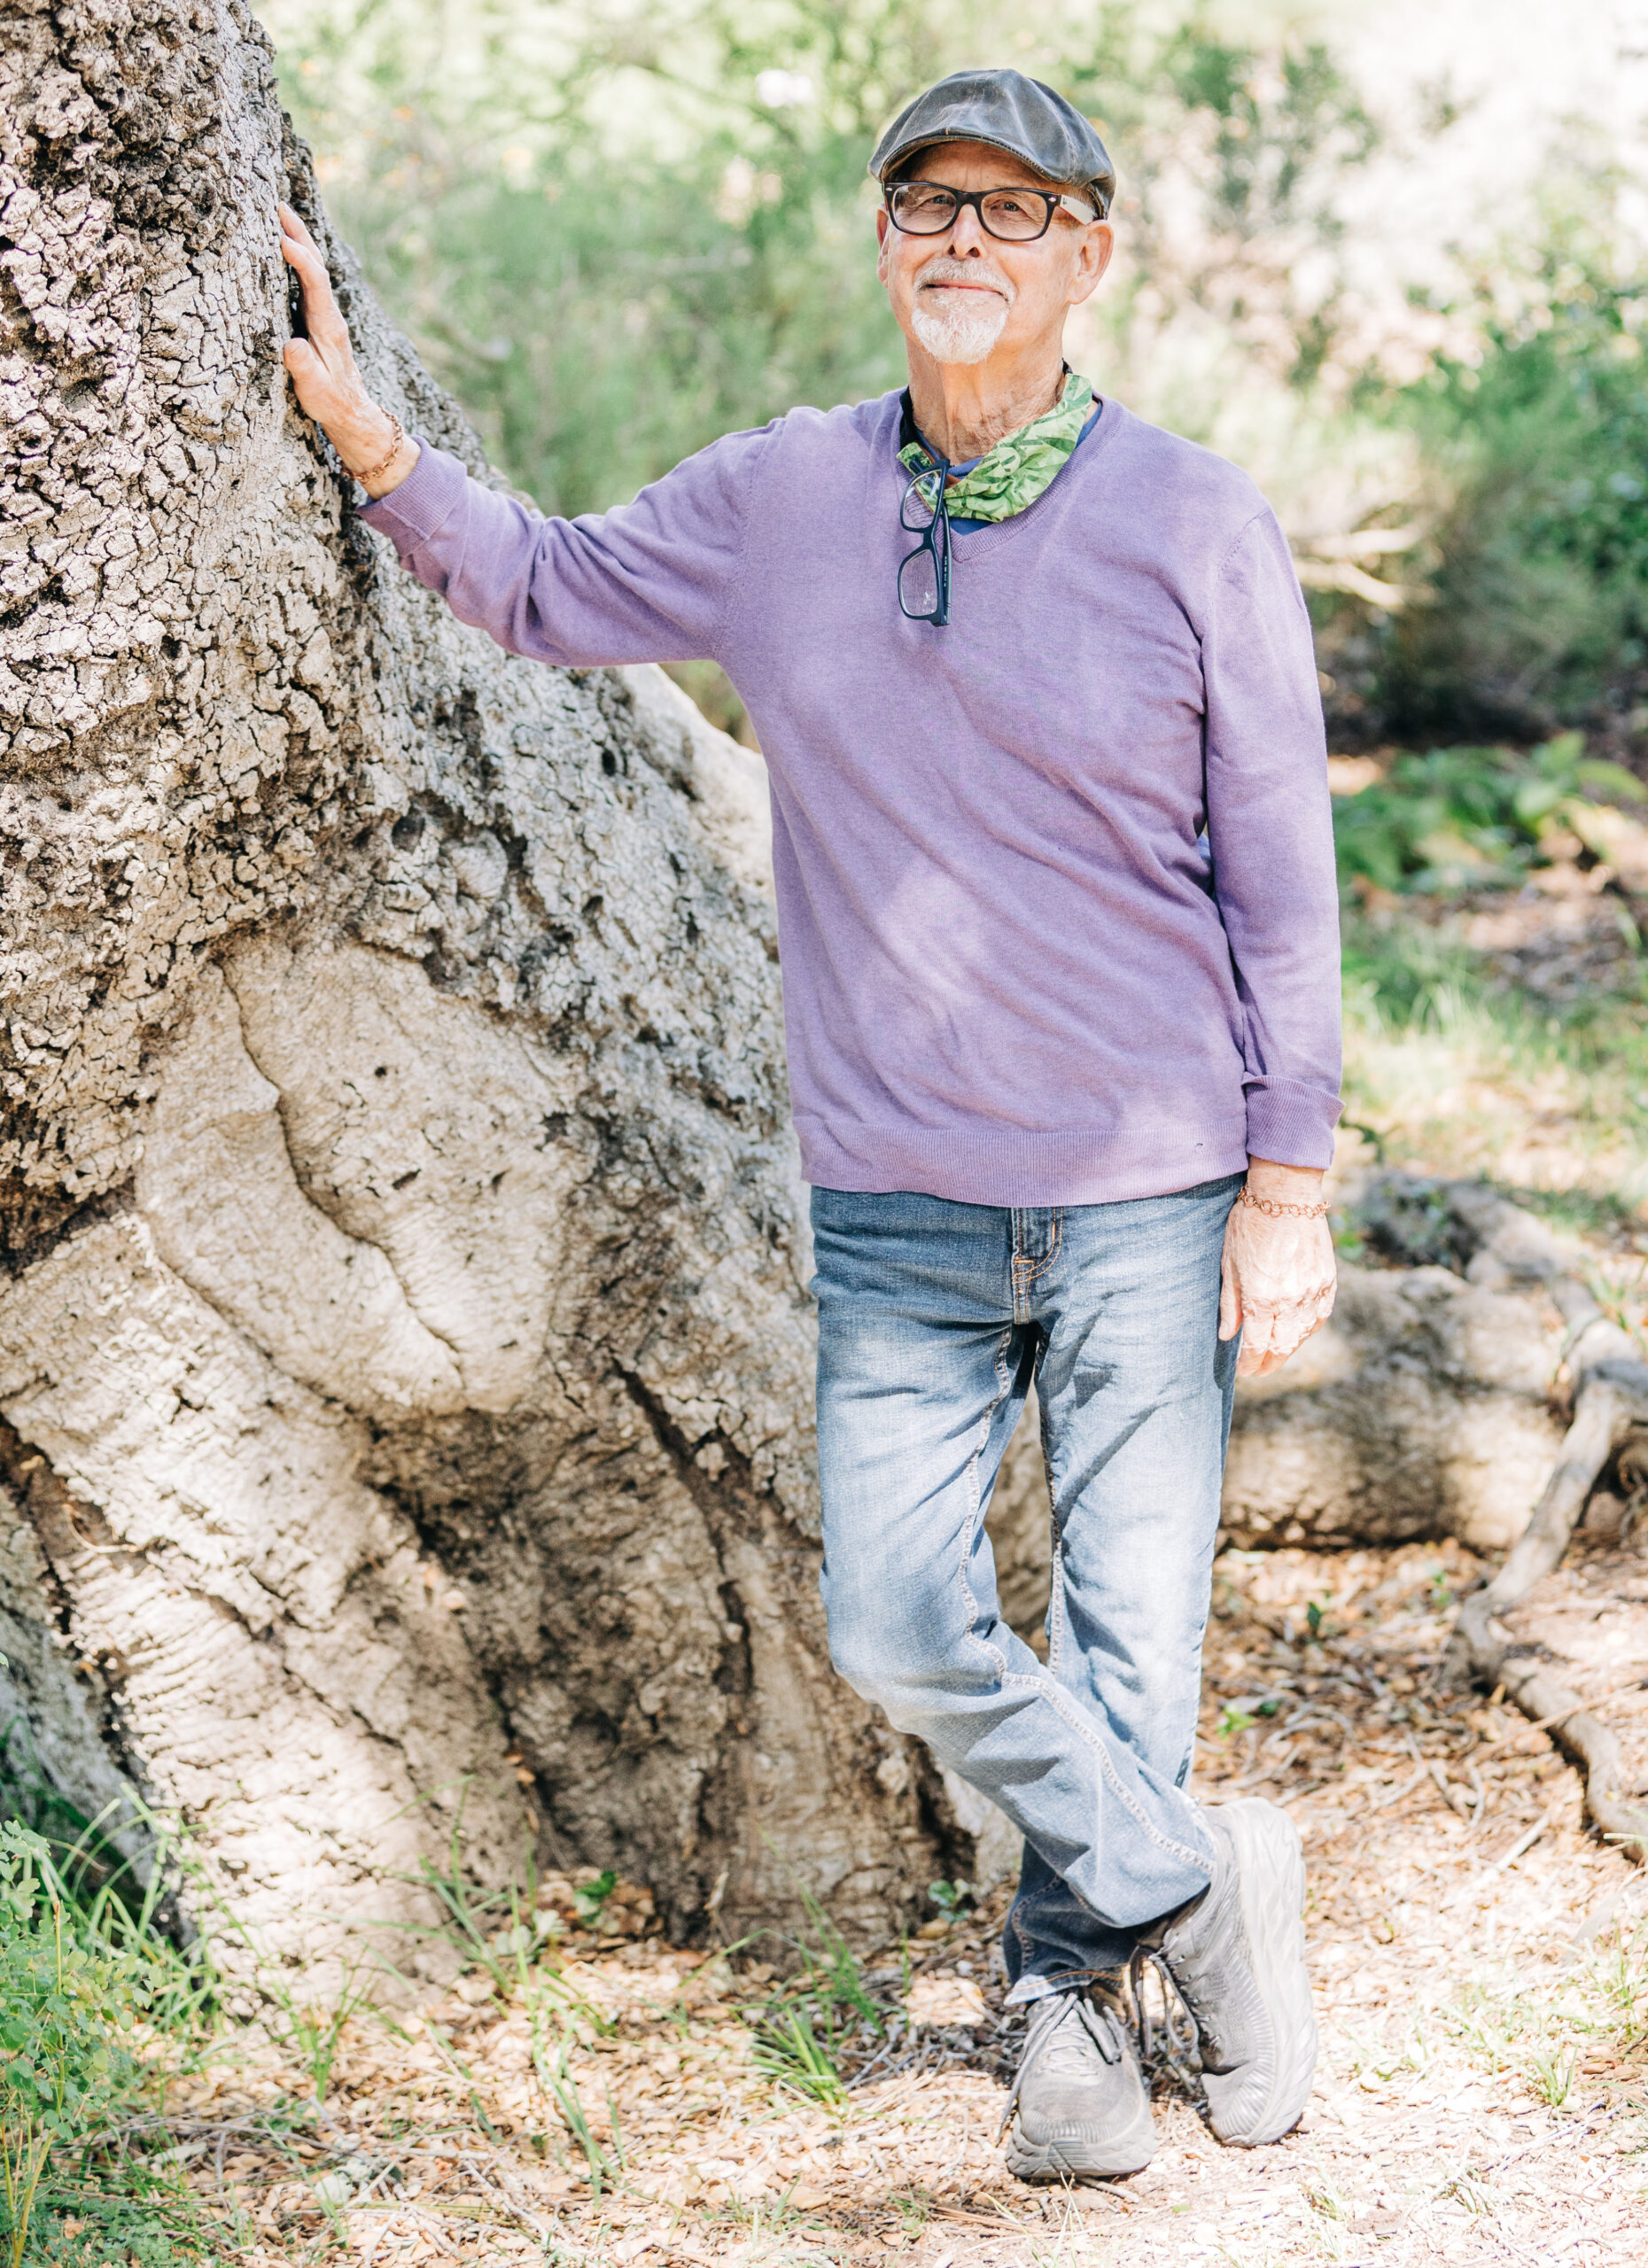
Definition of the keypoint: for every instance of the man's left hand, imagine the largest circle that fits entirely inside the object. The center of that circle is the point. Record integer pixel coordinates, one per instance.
(1279, 1273)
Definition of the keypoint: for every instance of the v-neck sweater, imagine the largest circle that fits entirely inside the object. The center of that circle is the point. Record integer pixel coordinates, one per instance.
(1058, 921)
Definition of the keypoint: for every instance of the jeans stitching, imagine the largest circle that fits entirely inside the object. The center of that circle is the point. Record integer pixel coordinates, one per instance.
(1039, 1267)
(1022, 1911)
(1055, 1594)
(1016, 1265)
(1040, 1683)
(1055, 1604)
(1026, 1269)
(973, 1495)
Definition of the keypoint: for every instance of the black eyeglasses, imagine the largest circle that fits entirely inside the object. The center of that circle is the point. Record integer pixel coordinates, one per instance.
(1014, 216)
(924, 573)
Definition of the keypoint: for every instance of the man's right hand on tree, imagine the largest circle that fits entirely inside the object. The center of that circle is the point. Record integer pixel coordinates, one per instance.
(369, 439)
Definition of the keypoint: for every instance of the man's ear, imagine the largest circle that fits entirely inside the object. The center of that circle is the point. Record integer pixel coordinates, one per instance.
(1092, 257)
(883, 233)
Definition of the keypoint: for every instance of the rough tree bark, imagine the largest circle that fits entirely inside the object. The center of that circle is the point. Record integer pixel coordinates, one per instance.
(404, 1358)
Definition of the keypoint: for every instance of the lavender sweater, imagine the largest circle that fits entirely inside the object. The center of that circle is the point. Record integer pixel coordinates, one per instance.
(1012, 975)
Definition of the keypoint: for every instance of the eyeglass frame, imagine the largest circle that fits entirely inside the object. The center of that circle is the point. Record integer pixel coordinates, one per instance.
(1054, 200)
(931, 540)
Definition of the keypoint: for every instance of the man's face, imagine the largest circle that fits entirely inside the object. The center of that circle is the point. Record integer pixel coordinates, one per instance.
(964, 296)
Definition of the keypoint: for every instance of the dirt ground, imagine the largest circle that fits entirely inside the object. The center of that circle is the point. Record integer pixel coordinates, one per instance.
(1481, 1969)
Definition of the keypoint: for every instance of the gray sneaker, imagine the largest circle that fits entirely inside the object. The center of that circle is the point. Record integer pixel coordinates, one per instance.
(1237, 1956)
(1079, 2109)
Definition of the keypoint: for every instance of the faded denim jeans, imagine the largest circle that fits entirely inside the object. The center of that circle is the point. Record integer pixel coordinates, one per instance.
(934, 1318)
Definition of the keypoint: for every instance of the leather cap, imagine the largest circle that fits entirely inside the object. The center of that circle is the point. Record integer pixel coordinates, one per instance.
(1010, 112)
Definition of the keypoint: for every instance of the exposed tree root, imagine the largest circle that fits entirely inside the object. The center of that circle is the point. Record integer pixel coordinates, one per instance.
(1610, 1399)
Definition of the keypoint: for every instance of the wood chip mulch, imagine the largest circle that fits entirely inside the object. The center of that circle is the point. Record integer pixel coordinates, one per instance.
(1481, 1964)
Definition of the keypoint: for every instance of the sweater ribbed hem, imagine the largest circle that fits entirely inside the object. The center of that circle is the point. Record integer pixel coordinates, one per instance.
(1007, 1165)
(1292, 1123)
(425, 500)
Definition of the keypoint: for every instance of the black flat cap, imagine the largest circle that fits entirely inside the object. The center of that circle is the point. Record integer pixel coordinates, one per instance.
(1011, 113)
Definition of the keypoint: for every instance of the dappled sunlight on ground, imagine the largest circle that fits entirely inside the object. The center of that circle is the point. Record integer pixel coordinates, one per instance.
(1520, 1051)
(1482, 1975)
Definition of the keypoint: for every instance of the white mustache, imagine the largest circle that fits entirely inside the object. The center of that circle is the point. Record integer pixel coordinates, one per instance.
(942, 269)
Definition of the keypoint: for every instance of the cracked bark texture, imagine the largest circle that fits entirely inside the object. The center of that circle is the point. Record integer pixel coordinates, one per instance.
(404, 1355)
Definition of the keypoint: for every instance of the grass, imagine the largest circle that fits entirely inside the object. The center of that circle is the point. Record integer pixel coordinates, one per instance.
(821, 2014)
(502, 1934)
(1450, 1062)
(1569, 2036)
(97, 2009)
(1446, 1067)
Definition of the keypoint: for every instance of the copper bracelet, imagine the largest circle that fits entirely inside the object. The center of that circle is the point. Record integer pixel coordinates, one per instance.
(378, 470)
(1245, 1196)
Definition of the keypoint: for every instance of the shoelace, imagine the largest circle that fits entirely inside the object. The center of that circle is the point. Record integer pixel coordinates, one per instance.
(1101, 2023)
(1149, 1957)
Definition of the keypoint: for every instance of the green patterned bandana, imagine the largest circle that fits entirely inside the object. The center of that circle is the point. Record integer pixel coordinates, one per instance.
(1011, 475)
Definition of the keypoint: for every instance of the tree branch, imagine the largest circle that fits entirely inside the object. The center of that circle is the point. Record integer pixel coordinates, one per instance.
(1611, 1382)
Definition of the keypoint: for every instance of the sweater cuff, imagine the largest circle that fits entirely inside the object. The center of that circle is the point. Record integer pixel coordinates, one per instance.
(1292, 1123)
(425, 502)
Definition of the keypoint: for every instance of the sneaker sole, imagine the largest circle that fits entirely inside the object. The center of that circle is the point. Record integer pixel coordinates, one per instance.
(1074, 2160)
(1271, 1874)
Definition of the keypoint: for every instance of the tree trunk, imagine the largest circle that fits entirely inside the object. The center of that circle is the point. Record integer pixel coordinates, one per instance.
(404, 1355)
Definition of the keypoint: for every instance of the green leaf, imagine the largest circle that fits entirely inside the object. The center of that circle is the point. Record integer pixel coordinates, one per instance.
(588, 1901)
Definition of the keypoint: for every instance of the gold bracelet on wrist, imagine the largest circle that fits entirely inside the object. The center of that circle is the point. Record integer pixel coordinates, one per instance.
(378, 470)
(1245, 1196)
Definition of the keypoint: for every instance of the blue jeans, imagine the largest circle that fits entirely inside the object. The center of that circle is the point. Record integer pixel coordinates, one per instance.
(934, 1318)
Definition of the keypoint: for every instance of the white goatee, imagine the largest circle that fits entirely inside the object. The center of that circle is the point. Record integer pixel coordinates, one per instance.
(959, 326)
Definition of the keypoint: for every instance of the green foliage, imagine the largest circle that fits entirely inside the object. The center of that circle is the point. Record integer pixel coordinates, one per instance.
(606, 302)
(820, 2014)
(789, 2052)
(616, 241)
(616, 235)
(1404, 977)
(1448, 1056)
(82, 1985)
(497, 1933)
(1541, 2031)
(29, 1796)
(1471, 817)
(588, 1901)
(1540, 449)
(1265, 146)
(950, 1897)
(312, 2032)
(65, 2068)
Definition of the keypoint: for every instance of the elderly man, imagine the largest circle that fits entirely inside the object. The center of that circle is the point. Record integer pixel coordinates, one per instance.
(1035, 687)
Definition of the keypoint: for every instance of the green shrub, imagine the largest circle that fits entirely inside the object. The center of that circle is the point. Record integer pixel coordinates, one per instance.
(1459, 818)
(1538, 602)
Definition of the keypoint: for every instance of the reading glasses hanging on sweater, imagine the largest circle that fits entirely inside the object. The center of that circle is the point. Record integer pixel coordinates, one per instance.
(924, 573)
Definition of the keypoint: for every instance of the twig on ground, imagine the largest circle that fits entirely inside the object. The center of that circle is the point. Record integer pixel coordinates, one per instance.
(1399, 1795)
(497, 2184)
(1632, 1684)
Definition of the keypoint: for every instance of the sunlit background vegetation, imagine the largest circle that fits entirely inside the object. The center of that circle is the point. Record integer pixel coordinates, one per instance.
(618, 232)
(1396, 268)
